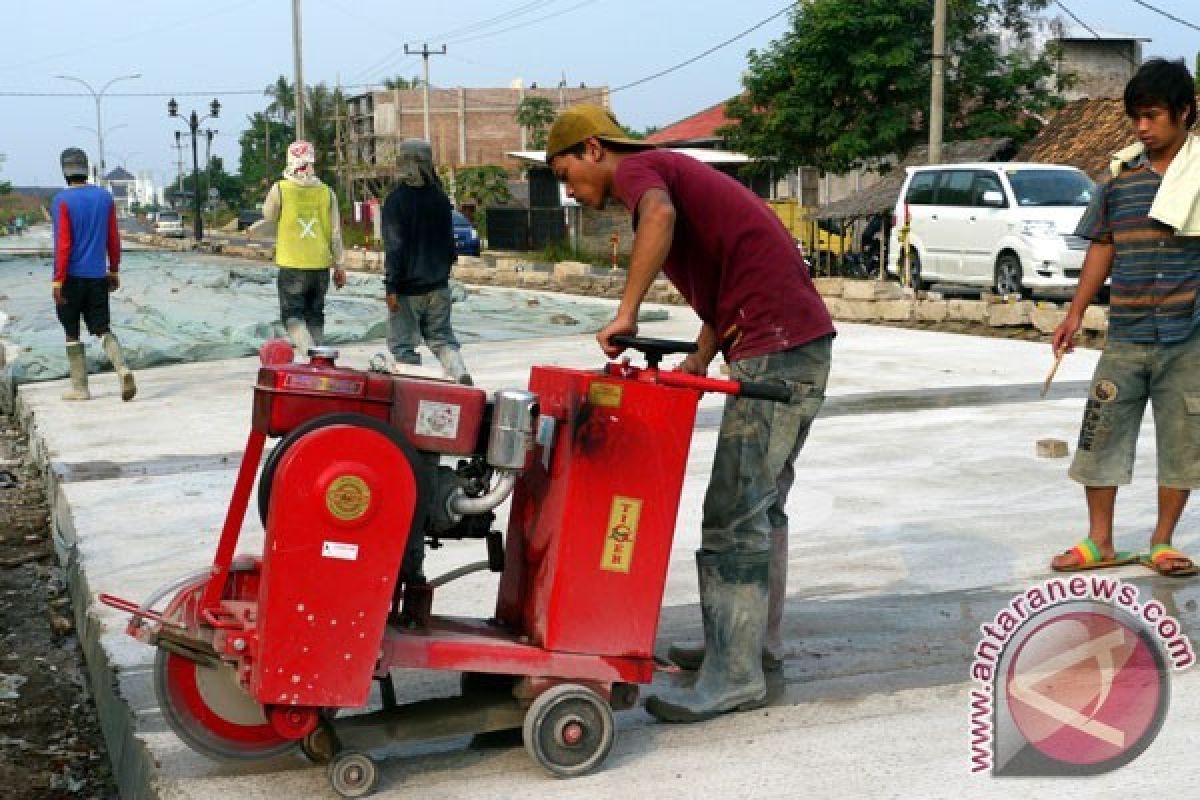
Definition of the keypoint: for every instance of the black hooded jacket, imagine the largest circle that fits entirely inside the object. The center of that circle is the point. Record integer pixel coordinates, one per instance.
(418, 240)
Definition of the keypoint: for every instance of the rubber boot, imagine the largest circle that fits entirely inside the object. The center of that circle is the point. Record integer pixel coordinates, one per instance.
(298, 333)
(456, 368)
(689, 655)
(733, 598)
(317, 334)
(113, 348)
(77, 363)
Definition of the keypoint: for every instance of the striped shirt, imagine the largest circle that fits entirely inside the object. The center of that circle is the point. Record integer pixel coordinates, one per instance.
(1155, 274)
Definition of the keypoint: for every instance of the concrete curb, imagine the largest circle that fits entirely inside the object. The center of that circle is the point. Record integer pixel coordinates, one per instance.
(134, 767)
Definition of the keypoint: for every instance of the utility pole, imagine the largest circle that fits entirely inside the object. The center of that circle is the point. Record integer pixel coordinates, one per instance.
(937, 90)
(425, 53)
(297, 55)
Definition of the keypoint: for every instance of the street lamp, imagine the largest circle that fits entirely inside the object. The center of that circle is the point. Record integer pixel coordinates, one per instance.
(193, 122)
(97, 96)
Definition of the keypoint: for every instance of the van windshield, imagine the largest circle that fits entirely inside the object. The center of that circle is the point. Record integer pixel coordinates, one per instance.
(168, 216)
(1051, 187)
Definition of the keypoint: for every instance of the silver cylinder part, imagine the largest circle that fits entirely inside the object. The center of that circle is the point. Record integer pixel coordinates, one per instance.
(511, 439)
(459, 504)
(323, 351)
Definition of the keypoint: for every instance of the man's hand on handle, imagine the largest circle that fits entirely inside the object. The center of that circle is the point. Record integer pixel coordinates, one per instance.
(620, 325)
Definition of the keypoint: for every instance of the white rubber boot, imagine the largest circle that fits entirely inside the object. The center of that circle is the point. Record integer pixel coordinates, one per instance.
(113, 349)
(77, 363)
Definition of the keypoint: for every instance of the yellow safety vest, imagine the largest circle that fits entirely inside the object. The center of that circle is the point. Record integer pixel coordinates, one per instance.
(302, 238)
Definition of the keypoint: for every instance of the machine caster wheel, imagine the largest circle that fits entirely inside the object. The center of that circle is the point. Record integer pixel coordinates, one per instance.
(569, 730)
(321, 745)
(353, 774)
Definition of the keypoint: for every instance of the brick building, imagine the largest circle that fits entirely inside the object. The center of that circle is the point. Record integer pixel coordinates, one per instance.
(467, 127)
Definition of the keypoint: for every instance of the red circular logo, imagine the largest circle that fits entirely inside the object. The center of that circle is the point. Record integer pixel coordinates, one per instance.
(1086, 689)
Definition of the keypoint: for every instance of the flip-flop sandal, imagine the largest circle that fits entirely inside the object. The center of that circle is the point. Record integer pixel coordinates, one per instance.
(1162, 553)
(1088, 556)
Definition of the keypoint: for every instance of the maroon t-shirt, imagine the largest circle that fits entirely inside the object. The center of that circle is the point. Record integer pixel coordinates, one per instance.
(731, 257)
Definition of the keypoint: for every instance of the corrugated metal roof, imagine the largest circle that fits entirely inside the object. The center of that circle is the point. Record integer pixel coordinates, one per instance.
(881, 197)
(1085, 134)
(701, 126)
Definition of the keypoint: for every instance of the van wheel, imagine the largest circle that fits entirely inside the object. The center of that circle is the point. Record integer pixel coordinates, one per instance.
(914, 271)
(1008, 276)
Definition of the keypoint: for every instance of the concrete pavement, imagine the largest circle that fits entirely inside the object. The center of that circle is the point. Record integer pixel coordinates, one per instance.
(919, 510)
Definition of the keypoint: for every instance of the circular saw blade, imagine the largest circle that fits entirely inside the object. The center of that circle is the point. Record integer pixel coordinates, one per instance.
(206, 705)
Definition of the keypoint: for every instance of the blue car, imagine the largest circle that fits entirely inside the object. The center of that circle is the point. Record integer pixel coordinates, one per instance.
(466, 238)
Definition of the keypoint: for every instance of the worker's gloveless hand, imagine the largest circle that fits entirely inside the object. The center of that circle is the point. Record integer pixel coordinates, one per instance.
(393, 303)
(339, 277)
(114, 282)
(695, 364)
(58, 296)
(617, 327)
(1064, 335)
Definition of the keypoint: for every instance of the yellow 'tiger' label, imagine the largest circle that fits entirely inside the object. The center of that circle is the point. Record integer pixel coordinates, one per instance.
(621, 536)
(605, 394)
(348, 497)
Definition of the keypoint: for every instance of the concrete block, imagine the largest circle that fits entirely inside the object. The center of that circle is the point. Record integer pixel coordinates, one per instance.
(829, 287)
(506, 263)
(896, 310)
(1046, 319)
(1096, 319)
(853, 310)
(872, 290)
(1009, 315)
(536, 280)
(1052, 448)
(564, 268)
(966, 310)
(932, 310)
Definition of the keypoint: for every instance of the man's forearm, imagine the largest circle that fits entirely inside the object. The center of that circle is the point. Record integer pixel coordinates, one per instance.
(656, 227)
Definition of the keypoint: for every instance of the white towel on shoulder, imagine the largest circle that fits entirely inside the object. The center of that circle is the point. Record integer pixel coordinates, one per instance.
(1177, 202)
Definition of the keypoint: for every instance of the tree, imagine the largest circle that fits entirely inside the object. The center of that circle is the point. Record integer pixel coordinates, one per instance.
(484, 186)
(535, 115)
(283, 100)
(5, 186)
(850, 82)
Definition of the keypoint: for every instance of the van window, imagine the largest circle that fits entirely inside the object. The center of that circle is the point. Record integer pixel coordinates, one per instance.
(920, 189)
(1051, 187)
(168, 216)
(984, 182)
(955, 188)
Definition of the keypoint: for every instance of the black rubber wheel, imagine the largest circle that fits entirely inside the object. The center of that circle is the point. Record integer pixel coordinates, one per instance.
(569, 730)
(353, 774)
(321, 745)
(1008, 276)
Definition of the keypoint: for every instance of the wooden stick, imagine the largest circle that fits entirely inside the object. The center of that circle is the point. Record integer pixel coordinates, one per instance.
(1058, 357)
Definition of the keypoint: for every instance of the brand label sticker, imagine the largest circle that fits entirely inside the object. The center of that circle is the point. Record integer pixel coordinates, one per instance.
(439, 420)
(621, 536)
(339, 550)
(605, 394)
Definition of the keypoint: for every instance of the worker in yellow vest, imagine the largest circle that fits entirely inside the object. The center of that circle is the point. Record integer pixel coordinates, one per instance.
(308, 241)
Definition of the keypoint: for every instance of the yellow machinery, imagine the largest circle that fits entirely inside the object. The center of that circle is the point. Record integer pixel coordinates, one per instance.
(798, 219)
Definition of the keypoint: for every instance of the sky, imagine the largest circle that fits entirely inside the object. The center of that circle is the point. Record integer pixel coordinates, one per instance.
(232, 49)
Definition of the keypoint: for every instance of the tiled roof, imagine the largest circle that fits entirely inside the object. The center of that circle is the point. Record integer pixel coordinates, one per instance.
(700, 126)
(881, 197)
(1084, 135)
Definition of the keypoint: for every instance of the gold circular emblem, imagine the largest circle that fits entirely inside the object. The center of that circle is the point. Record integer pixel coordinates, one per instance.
(1105, 391)
(348, 497)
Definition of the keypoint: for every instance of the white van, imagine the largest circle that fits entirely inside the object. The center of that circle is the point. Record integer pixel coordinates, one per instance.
(1010, 227)
(169, 223)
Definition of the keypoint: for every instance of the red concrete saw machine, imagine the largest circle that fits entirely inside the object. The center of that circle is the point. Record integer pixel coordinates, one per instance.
(257, 655)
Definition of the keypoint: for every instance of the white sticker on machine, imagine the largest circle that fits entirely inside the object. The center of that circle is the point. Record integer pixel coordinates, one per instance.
(437, 419)
(343, 550)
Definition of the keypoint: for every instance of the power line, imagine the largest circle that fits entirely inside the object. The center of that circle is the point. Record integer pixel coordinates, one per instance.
(1168, 15)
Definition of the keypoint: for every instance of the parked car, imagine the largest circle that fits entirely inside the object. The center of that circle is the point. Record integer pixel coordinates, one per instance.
(247, 217)
(169, 223)
(1010, 226)
(466, 238)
